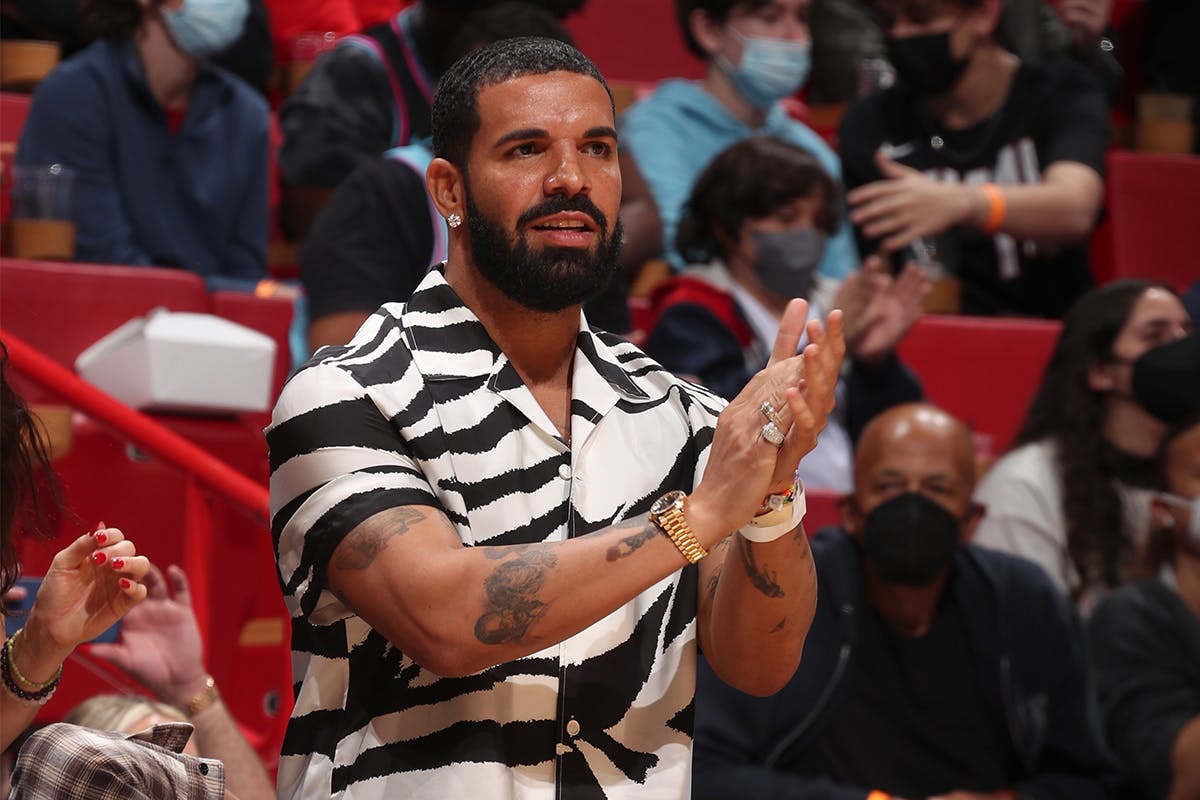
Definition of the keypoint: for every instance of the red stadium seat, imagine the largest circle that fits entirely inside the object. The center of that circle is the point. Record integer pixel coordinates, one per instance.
(822, 509)
(1154, 216)
(984, 370)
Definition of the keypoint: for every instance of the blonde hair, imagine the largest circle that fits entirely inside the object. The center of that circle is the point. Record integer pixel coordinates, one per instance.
(117, 712)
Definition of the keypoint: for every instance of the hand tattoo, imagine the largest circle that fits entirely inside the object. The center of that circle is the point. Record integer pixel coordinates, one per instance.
(512, 602)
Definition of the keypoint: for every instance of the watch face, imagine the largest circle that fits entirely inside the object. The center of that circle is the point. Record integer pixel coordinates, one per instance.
(664, 503)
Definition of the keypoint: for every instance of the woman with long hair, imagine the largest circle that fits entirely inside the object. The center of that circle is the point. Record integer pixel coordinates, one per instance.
(1072, 494)
(89, 585)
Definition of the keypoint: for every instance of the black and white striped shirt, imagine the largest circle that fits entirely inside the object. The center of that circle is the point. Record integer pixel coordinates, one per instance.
(423, 408)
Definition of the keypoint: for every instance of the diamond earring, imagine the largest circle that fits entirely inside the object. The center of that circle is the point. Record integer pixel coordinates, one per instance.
(454, 220)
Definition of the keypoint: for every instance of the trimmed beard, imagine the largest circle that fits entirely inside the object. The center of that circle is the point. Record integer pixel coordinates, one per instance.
(549, 279)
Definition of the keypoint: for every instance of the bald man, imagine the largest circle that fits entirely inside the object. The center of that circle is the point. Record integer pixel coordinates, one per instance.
(934, 668)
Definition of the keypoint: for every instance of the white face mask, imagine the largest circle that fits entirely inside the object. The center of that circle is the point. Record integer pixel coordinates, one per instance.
(770, 69)
(203, 28)
(1193, 505)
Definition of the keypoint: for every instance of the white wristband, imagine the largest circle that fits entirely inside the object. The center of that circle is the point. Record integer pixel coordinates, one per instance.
(769, 527)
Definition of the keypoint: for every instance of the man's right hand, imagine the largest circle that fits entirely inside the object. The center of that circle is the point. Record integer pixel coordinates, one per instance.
(743, 467)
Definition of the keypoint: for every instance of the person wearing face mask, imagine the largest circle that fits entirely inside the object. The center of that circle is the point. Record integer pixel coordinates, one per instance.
(934, 668)
(1073, 492)
(169, 152)
(1146, 636)
(756, 53)
(754, 231)
(989, 165)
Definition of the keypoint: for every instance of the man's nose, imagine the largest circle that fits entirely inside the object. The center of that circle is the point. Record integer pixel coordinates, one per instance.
(568, 175)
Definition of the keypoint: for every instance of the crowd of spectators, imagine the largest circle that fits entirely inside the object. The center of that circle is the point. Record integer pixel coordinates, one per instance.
(1029, 632)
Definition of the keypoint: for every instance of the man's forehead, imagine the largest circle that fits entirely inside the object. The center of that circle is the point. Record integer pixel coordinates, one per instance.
(551, 102)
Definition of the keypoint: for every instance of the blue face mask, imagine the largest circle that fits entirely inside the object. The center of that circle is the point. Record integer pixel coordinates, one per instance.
(203, 28)
(771, 69)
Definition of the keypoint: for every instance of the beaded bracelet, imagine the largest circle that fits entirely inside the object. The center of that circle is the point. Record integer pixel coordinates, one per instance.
(35, 685)
(8, 668)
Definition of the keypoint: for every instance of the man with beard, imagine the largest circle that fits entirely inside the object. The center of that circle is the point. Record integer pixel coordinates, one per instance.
(501, 534)
(934, 668)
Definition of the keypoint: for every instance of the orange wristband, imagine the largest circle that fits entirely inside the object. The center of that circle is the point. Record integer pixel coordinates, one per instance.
(996, 207)
(878, 795)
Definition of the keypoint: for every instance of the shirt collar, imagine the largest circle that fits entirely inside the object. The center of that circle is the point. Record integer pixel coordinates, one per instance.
(448, 342)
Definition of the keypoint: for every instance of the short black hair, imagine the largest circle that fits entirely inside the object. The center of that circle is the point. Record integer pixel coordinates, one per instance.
(885, 12)
(751, 180)
(716, 10)
(117, 20)
(455, 103)
(559, 8)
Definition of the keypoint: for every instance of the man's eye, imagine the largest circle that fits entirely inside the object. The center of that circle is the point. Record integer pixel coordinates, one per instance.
(524, 149)
(597, 148)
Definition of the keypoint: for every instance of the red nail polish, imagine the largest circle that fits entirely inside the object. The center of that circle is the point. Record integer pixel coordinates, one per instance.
(101, 537)
(126, 583)
(118, 563)
(99, 557)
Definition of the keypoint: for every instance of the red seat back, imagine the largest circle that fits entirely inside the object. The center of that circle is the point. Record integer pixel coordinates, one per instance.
(822, 509)
(983, 370)
(1154, 216)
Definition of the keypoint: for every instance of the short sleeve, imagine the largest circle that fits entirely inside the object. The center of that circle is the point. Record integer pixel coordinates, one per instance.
(1076, 122)
(336, 460)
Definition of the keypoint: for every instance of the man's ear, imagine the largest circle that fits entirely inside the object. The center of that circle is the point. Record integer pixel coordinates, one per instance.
(705, 30)
(971, 520)
(851, 517)
(986, 17)
(445, 184)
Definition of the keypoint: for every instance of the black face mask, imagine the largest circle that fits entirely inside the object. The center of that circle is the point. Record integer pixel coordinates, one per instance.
(1166, 379)
(924, 64)
(910, 539)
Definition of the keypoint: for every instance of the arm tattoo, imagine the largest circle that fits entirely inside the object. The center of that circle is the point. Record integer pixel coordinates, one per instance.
(762, 579)
(369, 538)
(644, 531)
(512, 588)
(778, 627)
(717, 553)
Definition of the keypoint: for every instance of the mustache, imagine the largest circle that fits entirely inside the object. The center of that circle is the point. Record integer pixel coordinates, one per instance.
(560, 203)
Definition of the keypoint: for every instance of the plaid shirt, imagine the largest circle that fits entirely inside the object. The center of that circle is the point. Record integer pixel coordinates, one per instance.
(64, 762)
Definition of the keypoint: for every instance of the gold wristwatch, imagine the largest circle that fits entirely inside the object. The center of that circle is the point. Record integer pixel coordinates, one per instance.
(667, 513)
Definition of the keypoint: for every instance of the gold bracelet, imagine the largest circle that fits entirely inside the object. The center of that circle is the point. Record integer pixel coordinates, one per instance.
(11, 644)
(203, 699)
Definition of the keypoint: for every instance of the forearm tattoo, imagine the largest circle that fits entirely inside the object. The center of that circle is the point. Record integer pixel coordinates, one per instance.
(512, 590)
(369, 538)
(642, 531)
(761, 578)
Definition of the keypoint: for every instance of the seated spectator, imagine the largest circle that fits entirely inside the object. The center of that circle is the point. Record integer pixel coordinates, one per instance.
(369, 94)
(67, 762)
(1146, 636)
(1072, 495)
(755, 228)
(984, 163)
(756, 53)
(380, 233)
(161, 648)
(933, 667)
(90, 584)
(170, 152)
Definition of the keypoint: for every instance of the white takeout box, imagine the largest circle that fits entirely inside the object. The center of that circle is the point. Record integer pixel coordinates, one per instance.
(183, 361)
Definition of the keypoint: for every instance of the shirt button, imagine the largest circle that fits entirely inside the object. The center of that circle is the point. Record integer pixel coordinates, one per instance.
(573, 727)
(564, 471)
(203, 768)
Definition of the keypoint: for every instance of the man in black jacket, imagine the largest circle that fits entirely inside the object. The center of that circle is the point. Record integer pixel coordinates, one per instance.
(933, 667)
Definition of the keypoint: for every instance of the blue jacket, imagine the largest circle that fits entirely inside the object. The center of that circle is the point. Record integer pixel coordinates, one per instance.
(1032, 661)
(196, 199)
